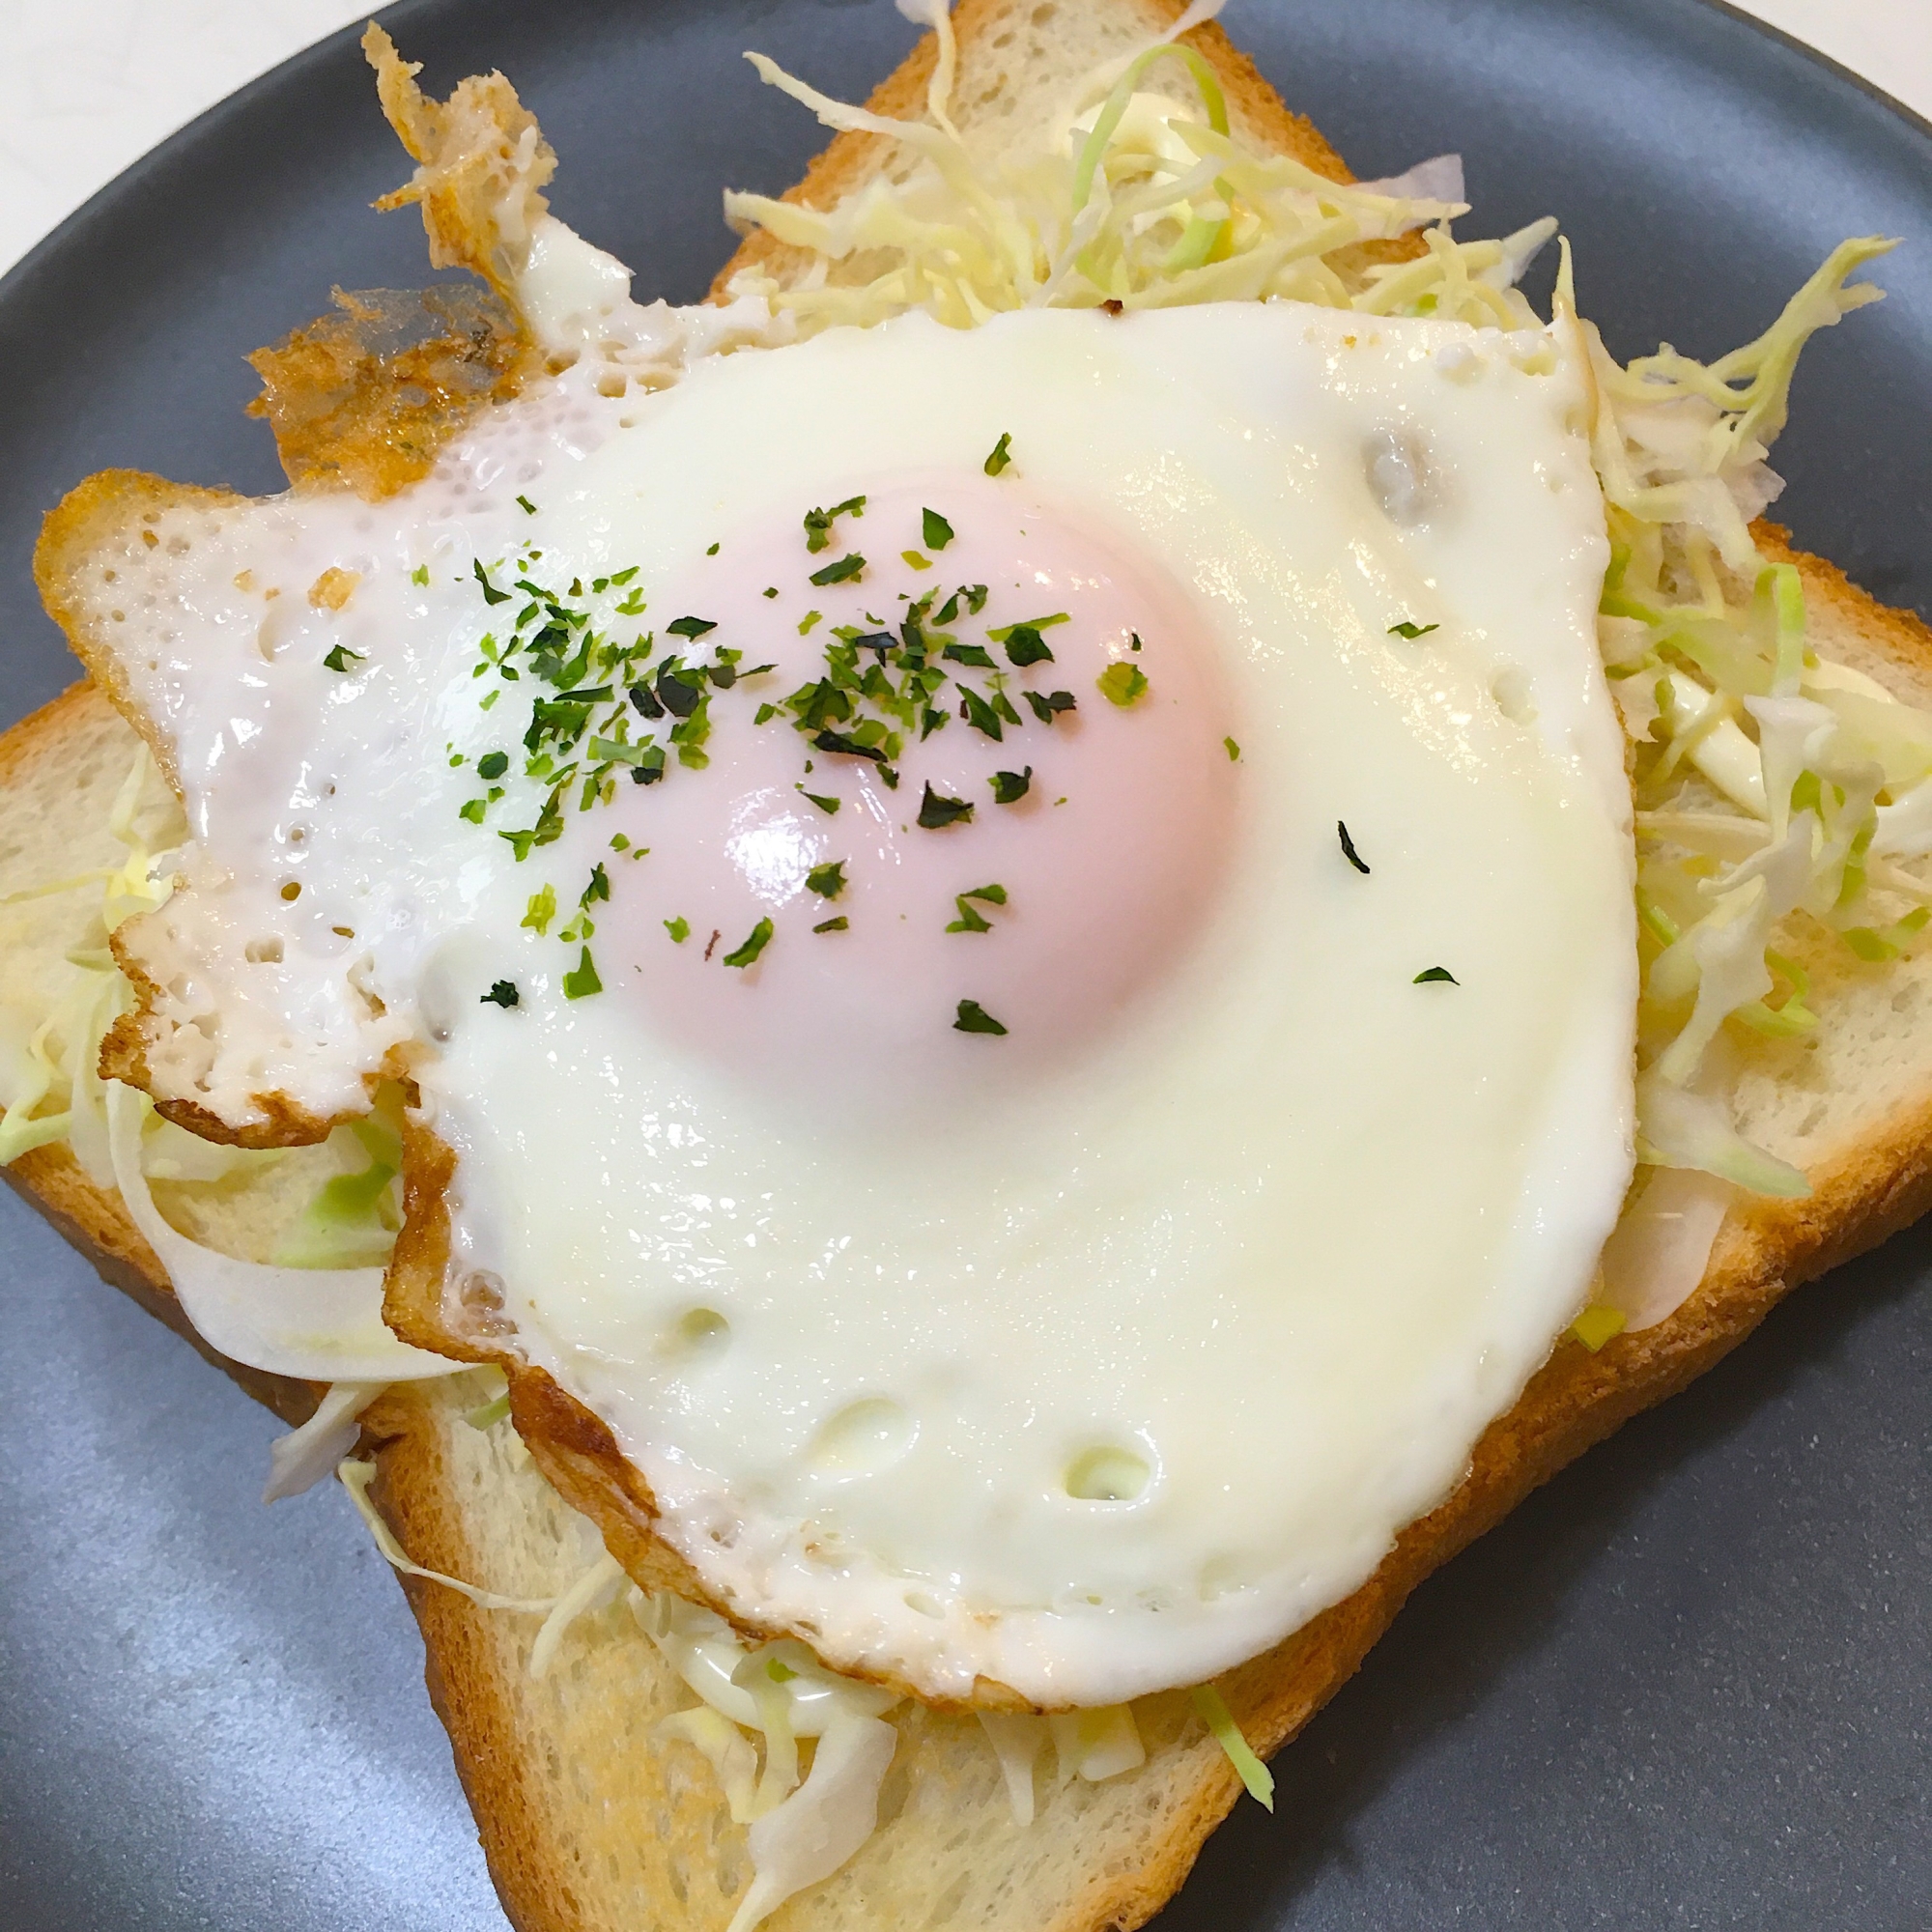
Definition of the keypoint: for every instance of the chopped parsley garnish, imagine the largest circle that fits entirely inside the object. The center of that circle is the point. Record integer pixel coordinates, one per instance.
(1046, 705)
(502, 994)
(970, 918)
(679, 929)
(809, 618)
(1025, 645)
(540, 911)
(771, 590)
(828, 806)
(599, 886)
(847, 570)
(1433, 973)
(973, 1017)
(819, 523)
(492, 764)
(747, 953)
(338, 658)
(976, 655)
(915, 561)
(1003, 454)
(1348, 851)
(582, 981)
(1411, 631)
(838, 924)
(1233, 750)
(689, 627)
(1009, 787)
(472, 809)
(828, 881)
(1122, 684)
(935, 533)
(978, 714)
(936, 810)
(490, 594)
(530, 508)
(420, 575)
(845, 745)
(678, 695)
(712, 552)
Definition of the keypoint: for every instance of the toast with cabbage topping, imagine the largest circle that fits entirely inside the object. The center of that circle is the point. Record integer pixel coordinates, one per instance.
(592, 1815)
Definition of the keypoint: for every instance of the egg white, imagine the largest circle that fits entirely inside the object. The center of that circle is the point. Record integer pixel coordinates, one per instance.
(1111, 1378)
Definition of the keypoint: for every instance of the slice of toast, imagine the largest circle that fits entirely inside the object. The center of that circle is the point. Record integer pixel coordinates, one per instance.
(587, 1821)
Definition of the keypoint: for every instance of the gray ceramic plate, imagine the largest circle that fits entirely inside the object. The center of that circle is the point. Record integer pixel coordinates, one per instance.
(1690, 1684)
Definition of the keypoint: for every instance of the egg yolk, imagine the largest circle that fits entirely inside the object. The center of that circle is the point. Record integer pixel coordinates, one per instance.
(969, 793)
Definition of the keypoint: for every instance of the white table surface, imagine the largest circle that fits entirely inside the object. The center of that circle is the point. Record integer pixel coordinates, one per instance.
(88, 86)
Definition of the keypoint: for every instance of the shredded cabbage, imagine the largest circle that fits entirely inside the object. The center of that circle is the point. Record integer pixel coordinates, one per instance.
(1763, 773)
(353, 1219)
(356, 1477)
(1212, 1709)
(304, 1456)
(55, 1093)
(1016, 1738)
(1137, 197)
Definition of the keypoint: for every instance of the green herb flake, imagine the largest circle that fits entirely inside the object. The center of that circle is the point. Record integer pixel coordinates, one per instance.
(492, 764)
(976, 655)
(1233, 750)
(838, 924)
(1411, 631)
(1003, 454)
(582, 981)
(1024, 645)
(746, 955)
(599, 886)
(819, 523)
(712, 552)
(771, 590)
(1046, 705)
(1122, 684)
(828, 881)
(490, 594)
(529, 509)
(679, 929)
(540, 911)
(1433, 974)
(935, 533)
(1349, 853)
(1009, 787)
(338, 659)
(419, 575)
(828, 806)
(913, 560)
(502, 994)
(689, 627)
(472, 809)
(981, 715)
(936, 810)
(973, 1017)
(970, 920)
(847, 570)
(491, 697)
(809, 618)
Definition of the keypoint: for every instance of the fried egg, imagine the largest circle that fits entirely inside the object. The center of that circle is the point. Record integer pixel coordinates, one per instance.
(1023, 937)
